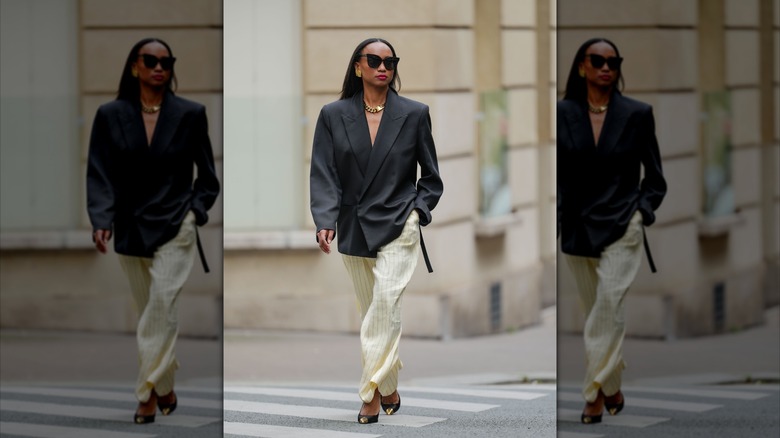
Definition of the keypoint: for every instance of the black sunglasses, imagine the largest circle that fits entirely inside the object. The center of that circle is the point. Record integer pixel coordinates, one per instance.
(613, 62)
(374, 61)
(151, 61)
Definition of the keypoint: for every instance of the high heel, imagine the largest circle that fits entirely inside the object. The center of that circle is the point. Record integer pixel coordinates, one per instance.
(392, 408)
(614, 408)
(368, 419)
(593, 419)
(168, 408)
(590, 419)
(143, 419)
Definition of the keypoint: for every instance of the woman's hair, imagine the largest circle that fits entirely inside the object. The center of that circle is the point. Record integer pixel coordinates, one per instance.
(576, 88)
(353, 84)
(129, 89)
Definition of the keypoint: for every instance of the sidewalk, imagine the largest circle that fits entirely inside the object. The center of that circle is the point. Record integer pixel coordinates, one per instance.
(753, 353)
(277, 356)
(46, 356)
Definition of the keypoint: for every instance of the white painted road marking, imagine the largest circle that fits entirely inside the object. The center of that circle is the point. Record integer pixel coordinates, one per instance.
(107, 395)
(352, 397)
(268, 431)
(98, 413)
(325, 413)
(649, 403)
(44, 431)
(639, 421)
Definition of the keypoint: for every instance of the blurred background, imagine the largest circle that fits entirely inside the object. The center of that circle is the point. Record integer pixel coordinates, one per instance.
(61, 59)
(711, 71)
(487, 70)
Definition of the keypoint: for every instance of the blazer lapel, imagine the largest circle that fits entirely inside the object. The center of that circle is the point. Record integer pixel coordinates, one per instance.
(614, 123)
(167, 123)
(389, 128)
(132, 126)
(357, 132)
(580, 129)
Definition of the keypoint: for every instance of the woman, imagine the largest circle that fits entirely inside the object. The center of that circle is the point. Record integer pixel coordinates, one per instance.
(140, 187)
(603, 140)
(367, 146)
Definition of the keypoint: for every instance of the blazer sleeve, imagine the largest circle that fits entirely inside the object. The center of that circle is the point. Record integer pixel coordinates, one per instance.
(206, 185)
(324, 183)
(653, 185)
(430, 186)
(100, 187)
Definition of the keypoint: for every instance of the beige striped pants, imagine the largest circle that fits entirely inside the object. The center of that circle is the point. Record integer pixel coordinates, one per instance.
(379, 285)
(603, 283)
(156, 283)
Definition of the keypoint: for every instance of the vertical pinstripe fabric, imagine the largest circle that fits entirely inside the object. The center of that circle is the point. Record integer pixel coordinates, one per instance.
(603, 283)
(156, 283)
(379, 286)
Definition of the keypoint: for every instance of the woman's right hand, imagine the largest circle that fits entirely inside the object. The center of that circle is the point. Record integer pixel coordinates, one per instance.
(324, 238)
(101, 238)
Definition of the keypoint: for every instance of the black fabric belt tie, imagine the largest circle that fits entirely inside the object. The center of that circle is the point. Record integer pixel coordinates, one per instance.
(425, 253)
(200, 252)
(647, 252)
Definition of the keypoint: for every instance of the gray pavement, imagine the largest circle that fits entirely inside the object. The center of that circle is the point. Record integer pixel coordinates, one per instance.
(462, 387)
(78, 384)
(305, 383)
(695, 387)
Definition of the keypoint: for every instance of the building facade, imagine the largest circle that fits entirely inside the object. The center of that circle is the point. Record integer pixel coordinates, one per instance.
(479, 65)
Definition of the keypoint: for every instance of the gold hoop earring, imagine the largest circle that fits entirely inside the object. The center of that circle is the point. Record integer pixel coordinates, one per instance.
(582, 73)
(134, 73)
(358, 73)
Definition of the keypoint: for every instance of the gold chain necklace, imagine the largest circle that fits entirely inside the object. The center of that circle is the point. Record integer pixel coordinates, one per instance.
(150, 109)
(373, 110)
(597, 109)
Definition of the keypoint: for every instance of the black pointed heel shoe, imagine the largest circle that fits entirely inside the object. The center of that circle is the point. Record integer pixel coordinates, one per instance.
(392, 408)
(168, 408)
(368, 419)
(143, 419)
(590, 419)
(614, 408)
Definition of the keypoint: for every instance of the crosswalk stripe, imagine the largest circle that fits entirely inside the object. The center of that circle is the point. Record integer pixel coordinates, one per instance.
(565, 434)
(98, 413)
(485, 393)
(649, 403)
(343, 396)
(269, 431)
(106, 395)
(324, 413)
(639, 421)
(523, 386)
(44, 431)
(713, 393)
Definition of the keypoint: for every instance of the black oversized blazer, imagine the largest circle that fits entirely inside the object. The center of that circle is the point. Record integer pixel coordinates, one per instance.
(143, 191)
(599, 187)
(366, 193)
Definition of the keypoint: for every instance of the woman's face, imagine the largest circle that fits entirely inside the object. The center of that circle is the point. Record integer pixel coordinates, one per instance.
(158, 74)
(596, 66)
(380, 76)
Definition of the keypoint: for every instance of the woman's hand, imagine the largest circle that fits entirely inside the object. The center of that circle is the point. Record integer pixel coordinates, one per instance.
(325, 237)
(101, 238)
